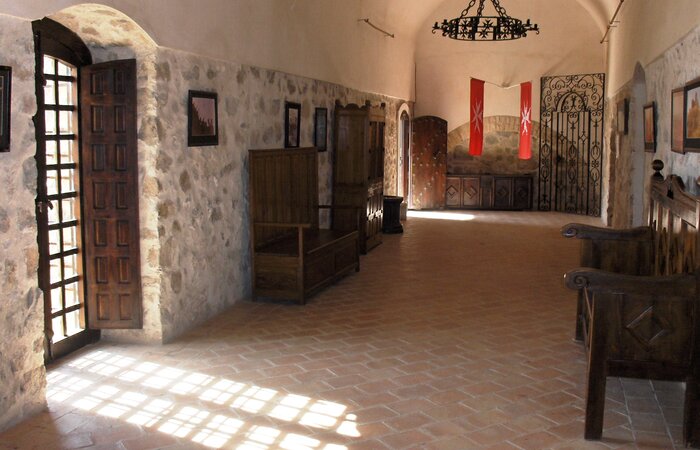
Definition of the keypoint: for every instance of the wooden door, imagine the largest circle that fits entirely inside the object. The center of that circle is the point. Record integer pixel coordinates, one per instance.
(111, 207)
(428, 163)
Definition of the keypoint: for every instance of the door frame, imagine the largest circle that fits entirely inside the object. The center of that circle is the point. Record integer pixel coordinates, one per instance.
(55, 40)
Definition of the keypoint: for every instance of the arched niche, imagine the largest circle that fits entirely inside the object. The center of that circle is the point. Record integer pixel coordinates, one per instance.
(111, 35)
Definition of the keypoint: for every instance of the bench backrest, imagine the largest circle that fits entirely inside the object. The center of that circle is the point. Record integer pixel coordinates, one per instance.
(674, 216)
(283, 189)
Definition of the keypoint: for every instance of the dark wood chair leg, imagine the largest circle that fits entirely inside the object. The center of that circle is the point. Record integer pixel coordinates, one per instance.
(691, 413)
(579, 315)
(595, 395)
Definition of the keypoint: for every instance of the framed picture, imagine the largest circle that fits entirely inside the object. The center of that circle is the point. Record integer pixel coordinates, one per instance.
(691, 120)
(321, 129)
(677, 108)
(202, 119)
(5, 86)
(623, 114)
(292, 124)
(650, 127)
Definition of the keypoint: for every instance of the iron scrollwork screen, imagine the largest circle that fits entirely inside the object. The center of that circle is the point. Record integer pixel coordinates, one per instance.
(571, 144)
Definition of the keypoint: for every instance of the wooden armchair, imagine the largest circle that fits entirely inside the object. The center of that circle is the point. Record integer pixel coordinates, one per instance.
(641, 327)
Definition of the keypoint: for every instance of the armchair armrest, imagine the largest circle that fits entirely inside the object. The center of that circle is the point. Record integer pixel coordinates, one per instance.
(582, 231)
(601, 281)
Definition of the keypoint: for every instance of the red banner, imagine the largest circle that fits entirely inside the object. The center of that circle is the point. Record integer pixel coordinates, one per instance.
(525, 121)
(476, 117)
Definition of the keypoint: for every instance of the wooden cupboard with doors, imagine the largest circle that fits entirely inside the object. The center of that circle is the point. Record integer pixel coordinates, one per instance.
(428, 163)
(503, 192)
(358, 171)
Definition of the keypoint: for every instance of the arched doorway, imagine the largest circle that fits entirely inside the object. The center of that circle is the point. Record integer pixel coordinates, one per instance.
(87, 204)
(404, 152)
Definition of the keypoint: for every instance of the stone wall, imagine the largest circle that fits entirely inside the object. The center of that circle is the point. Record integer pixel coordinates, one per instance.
(193, 204)
(203, 191)
(628, 166)
(501, 144)
(22, 373)
(674, 68)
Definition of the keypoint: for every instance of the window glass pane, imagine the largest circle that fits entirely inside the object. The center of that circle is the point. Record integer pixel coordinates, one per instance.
(56, 303)
(70, 238)
(64, 70)
(73, 323)
(72, 295)
(67, 180)
(51, 150)
(53, 213)
(49, 65)
(51, 182)
(68, 206)
(59, 333)
(70, 266)
(54, 241)
(66, 152)
(55, 270)
(50, 122)
(65, 93)
(50, 92)
(65, 122)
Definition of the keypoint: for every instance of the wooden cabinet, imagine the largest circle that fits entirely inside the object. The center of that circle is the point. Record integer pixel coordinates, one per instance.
(506, 192)
(358, 171)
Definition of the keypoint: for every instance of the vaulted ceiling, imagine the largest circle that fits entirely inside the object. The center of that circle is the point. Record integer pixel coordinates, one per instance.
(411, 15)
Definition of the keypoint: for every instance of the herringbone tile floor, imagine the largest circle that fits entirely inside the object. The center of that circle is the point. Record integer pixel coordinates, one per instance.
(455, 335)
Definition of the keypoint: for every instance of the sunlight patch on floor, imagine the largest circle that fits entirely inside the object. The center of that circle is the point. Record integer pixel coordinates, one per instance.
(441, 215)
(211, 411)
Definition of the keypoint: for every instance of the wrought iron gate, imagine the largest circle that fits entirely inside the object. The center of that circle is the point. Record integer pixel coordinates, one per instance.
(571, 144)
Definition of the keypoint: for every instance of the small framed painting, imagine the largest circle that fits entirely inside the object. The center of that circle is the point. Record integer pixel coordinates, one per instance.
(5, 86)
(650, 127)
(623, 113)
(202, 119)
(691, 121)
(292, 124)
(677, 120)
(321, 129)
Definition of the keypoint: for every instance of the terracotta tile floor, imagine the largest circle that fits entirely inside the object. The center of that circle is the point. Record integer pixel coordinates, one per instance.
(454, 335)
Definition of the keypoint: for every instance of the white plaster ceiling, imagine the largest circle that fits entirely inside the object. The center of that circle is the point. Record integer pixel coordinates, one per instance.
(408, 16)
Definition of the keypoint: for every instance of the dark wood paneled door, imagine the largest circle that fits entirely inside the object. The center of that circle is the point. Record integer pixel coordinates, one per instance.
(111, 207)
(428, 163)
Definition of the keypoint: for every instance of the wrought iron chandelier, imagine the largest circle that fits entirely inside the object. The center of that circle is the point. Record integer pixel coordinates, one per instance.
(485, 28)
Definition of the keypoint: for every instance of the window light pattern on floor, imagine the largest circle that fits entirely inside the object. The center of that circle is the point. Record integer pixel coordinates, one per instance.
(205, 409)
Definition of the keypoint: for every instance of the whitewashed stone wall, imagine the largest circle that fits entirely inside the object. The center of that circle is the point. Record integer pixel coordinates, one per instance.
(22, 373)
(674, 68)
(203, 191)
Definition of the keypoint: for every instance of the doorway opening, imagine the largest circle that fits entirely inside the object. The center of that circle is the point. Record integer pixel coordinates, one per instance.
(87, 191)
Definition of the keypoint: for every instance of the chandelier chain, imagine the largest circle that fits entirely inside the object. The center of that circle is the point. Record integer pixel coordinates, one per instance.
(499, 9)
(471, 4)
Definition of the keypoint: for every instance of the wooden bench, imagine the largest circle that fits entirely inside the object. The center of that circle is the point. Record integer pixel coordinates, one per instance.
(292, 257)
(638, 307)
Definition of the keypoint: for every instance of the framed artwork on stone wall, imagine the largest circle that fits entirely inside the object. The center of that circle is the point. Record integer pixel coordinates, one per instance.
(623, 114)
(677, 129)
(5, 86)
(292, 124)
(691, 117)
(321, 129)
(202, 119)
(650, 127)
